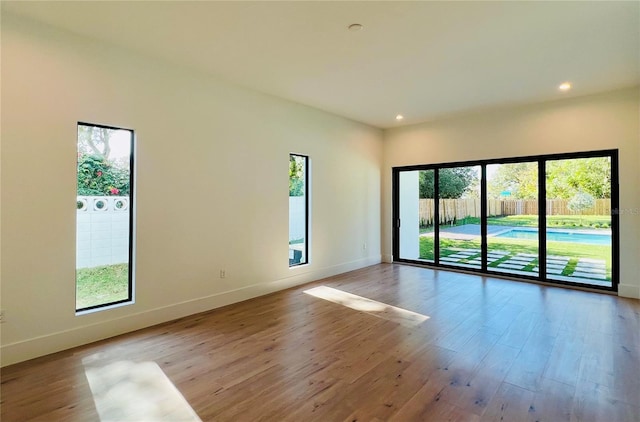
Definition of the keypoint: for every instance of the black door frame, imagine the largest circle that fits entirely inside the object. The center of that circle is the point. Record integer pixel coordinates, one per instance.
(542, 215)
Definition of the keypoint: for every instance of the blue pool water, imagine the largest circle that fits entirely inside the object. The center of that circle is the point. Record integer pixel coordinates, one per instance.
(593, 239)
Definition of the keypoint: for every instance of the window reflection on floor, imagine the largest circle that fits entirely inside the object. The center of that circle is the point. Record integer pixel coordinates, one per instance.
(359, 303)
(135, 391)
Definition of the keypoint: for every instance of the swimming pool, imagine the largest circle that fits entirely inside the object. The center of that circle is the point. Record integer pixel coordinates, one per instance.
(556, 236)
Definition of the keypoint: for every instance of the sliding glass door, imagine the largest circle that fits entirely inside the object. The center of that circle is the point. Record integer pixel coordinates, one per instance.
(486, 216)
(578, 214)
(459, 199)
(512, 218)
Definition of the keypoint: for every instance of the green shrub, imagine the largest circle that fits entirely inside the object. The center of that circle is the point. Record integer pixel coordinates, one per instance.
(98, 177)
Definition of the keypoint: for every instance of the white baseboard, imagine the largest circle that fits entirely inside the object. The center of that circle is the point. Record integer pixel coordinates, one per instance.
(62, 340)
(629, 290)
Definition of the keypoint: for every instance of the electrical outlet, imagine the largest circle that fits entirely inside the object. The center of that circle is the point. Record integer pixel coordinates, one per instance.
(364, 246)
(2, 317)
(223, 273)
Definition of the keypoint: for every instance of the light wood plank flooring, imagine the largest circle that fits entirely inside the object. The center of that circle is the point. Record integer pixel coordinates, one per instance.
(490, 350)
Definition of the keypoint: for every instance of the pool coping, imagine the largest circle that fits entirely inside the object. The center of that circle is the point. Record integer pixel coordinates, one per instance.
(599, 232)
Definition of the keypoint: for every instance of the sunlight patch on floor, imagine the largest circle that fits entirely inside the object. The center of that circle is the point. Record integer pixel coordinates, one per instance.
(372, 307)
(136, 391)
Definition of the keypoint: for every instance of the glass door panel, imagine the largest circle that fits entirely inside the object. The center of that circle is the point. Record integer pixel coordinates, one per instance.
(426, 211)
(512, 218)
(416, 215)
(578, 207)
(459, 200)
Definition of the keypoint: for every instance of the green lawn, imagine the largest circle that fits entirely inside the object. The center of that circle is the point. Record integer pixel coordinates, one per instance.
(567, 249)
(553, 221)
(98, 285)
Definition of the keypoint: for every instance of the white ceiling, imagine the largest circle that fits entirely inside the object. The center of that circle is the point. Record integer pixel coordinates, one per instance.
(424, 60)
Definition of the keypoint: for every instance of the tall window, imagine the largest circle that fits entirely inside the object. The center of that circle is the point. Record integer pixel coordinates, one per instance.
(104, 216)
(550, 218)
(298, 209)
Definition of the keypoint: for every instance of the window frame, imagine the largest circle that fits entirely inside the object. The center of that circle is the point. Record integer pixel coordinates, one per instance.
(307, 192)
(542, 220)
(131, 238)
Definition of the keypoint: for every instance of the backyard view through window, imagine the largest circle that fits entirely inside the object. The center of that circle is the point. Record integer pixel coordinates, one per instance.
(298, 209)
(573, 194)
(578, 207)
(459, 200)
(512, 213)
(103, 222)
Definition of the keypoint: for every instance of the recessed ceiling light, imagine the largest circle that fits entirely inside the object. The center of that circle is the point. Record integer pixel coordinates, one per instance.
(399, 117)
(355, 27)
(565, 86)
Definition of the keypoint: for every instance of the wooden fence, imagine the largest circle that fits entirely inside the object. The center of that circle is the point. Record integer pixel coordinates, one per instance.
(458, 209)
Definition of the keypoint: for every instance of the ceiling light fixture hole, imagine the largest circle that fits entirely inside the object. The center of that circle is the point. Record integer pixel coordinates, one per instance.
(565, 86)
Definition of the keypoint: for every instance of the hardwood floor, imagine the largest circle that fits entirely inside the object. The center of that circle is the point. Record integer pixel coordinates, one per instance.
(490, 350)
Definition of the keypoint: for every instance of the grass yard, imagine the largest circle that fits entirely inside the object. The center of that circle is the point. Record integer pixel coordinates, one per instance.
(515, 246)
(99, 285)
(553, 221)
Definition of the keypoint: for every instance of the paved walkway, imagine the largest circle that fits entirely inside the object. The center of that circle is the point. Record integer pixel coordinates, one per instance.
(587, 270)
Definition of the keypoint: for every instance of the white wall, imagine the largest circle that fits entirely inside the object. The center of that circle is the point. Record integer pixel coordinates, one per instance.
(211, 187)
(102, 234)
(605, 121)
(297, 217)
(409, 197)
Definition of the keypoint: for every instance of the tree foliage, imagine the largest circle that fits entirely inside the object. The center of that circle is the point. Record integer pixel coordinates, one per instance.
(519, 179)
(581, 201)
(296, 175)
(453, 182)
(98, 174)
(564, 179)
(93, 140)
